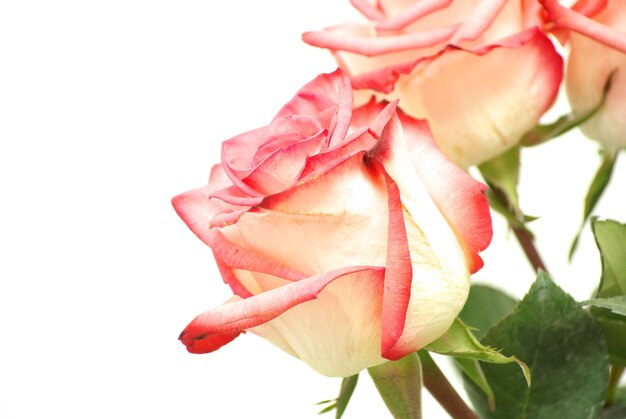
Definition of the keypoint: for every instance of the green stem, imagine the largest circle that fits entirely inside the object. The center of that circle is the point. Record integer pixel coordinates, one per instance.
(616, 374)
(441, 389)
(525, 239)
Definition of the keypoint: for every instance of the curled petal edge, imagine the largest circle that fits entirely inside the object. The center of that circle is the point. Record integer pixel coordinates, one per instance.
(215, 328)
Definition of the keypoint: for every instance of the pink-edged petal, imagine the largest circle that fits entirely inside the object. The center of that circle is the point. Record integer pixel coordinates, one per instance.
(398, 274)
(565, 18)
(460, 198)
(282, 169)
(320, 164)
(230, 279)
(341, 122)
(384, 79)
(312, 226)
(326, 92)
(198, 210)
(234, 196)
(218, 178)
(243, 153)
(227, 217)
(479, 21)
(589, 7)
(439, 265)
(482, 114)
(412, 14)
(369, 10)
(210, 343)
(370, 120)
(217, 327)
(236, 256)
(345, 187)
(374, 115)
(259, 282)
(339, 333)
(589, 66)
(533, 14)
(371, 46)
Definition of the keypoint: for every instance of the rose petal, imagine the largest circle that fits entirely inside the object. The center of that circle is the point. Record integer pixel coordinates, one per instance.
(281, 170)
(372, 45)
(367, 9)
(339, 333)
(589, 66)
(565, 18)
(245, 152)
(327, 91)
(235, 197)
(214, 328)
(460, 198)
(312, 225)
(480, 19)
(322, 163)
(239, 257)
(437, 257)
(230, 279)
(197, 209)
(482, 114)
(412, 14)
(374, 115)
(398, 274)
(589, 7)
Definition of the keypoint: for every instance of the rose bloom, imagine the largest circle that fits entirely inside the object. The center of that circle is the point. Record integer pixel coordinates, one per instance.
(346, 237)
(481, 72)
(598, 51)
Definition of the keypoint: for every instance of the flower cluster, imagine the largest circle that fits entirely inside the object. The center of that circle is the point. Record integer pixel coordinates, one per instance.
(348, 228)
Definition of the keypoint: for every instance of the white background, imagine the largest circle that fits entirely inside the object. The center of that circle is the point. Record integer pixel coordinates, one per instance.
(108, 110)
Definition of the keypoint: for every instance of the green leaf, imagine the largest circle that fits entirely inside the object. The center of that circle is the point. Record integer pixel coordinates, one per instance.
(348, 385)
(400, 386)
(616, 305)
(327, 408)
(611, 240)
(459, 342)
(472, 370)
(542, 133)
(485, 307)
(615, 336)
(596, 189)
(566, 354)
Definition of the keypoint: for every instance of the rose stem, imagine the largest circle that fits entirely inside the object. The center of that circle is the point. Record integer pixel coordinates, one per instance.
(441, 389)
(524, 238)
(528, 245)
(616, 374)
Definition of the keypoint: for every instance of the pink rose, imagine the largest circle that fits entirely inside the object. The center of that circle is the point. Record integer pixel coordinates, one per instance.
(346, 237)
(481, 72)
(598, 48)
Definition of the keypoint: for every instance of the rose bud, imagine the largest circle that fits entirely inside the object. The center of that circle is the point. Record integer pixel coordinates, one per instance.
(346, 236)
(481, 73)
(598, 50)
